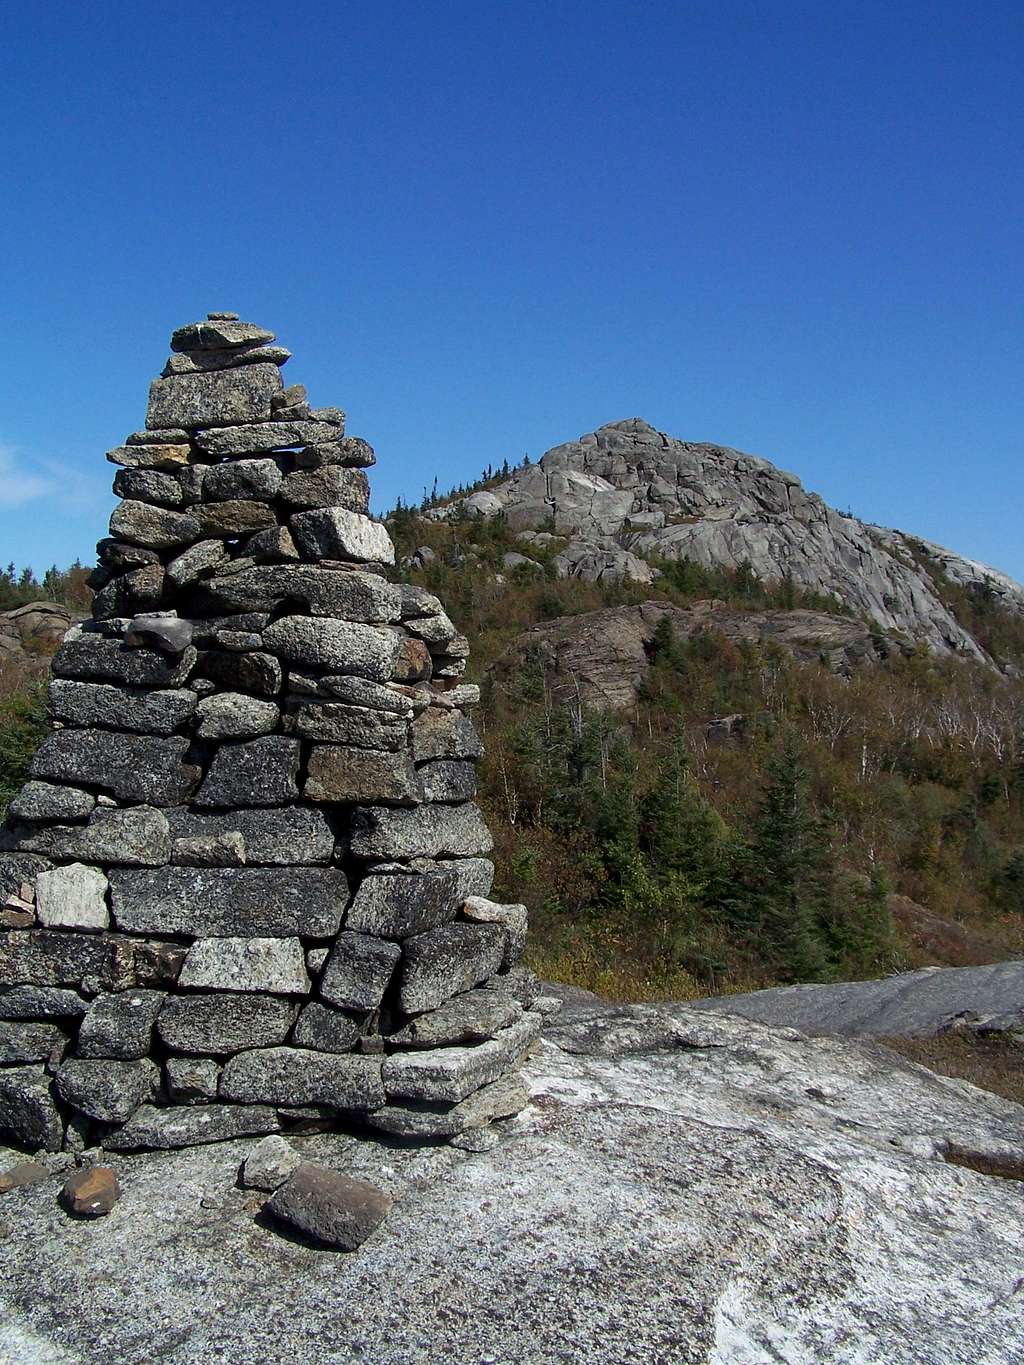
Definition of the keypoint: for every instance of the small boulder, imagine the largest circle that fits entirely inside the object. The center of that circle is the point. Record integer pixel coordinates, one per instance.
(90, 1192)
(330, 1207)
(269, 1164)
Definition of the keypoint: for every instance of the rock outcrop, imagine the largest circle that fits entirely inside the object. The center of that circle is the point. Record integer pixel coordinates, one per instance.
(682, 1187)
(33, 631)
(626, 494)
(600, 658)
(247, 883)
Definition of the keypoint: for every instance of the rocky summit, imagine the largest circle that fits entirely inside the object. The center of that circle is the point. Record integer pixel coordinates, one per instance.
(247, 876)
(626, 495)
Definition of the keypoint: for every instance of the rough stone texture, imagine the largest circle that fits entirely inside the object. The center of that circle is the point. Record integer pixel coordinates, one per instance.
(440, 963)
(219, 332)
(291, 1076)
(398, 906)
(339, 723)
(352, 595)
(500, 1099)
(107, 1090)
(336, 533)
(149, 712)
(191, 1080)
(801, 1231)
(21, 1043)
(468, 1018)
(72, 897)
(89, 655)
(275, 965)
(260, 772)
(424, 832)
(261, 435)
(912, 1005)
(259, 673)
(25, 1173)
(133, 767)
(91, 1192)
(444, 734)
(44, 801)
(40, 1002)
(337, 773)
(233, 715)
(195, 562)
(221, 1023)
(28, 1114)
(157, 528)
(286, 836)
(358, 971)
(194, 361)
(168, 455)
(325, 1029)
(127, 836)
(120, 1025)
(330, 1207)
(452, 1073)
(230, 901)
(269, 1164)
(344, 647)
(221, 398)
(160, 1129)
(513, 918)
(331, 485)
(243, 479)
(447, 780)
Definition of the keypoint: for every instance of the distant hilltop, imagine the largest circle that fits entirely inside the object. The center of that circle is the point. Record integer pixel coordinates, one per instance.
(626, 496)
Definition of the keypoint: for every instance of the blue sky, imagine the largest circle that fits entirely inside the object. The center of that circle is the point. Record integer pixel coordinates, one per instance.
(486, 228)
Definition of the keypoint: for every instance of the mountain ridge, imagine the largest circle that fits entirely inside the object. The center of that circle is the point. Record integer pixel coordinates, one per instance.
(627, 496)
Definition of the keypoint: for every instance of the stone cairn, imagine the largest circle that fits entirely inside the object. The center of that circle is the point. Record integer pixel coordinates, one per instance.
(246, 886)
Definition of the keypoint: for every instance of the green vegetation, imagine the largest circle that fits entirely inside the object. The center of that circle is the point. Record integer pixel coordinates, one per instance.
(67, 587)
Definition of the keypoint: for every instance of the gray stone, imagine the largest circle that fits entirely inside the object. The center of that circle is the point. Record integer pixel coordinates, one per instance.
(256, 672)
(465, 696)
(331, 485)
(166, 455)
(444, 961)
(132, 767)
(23, 1042)
(161, 1129)
(230, 901)
(295, 1076)
(340, 774)
(269, 1164)
(110, 1091)
(258, 772)
(398, 906)
(239, 517)
(23, 1174)
(447, 780)
(361, 692)
(452, 1073)
(41, 957)
(340, 723)
(40, 1002)
(196, 362)
(259, 479)
(324, 1029)
(160, 630)
(444, 734)
(468, 1018)
(416, 601)
(423, 832)
(140, 590)
(120, 1025)
(246, 964)
(95, 656)
(336, 533)
(342, 646)
(513, 918)
(224, 1022)
(519, 983)
(220, 398)
(157, 436)
(16, 869)
(28, 1114)
(198, 560)
(72, 897)
(330, 1207)
(155, 712)
(413, 663)
(219, 332)
(210, 850)
(191, 1080)
(260, 434)
(498, 1100)
(352, 451)
(358, 971)
(233, 715)
(271, 545)
(130, 836)
(119, 556)
(436, 630)
(288, 836)
(346, 595)
(157, 528)
(44, 801)
(149, 485)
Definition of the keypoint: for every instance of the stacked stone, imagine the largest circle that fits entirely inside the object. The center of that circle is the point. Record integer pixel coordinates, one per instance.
(247, 883)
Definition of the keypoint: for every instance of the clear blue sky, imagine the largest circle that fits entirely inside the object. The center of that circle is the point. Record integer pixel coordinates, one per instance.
(486, 228)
